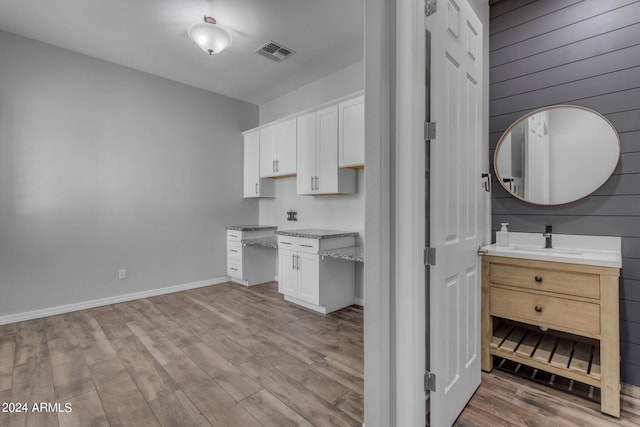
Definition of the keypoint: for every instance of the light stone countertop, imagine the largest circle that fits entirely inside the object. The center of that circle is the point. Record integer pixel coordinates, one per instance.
(313, 233)
(267, 242)
(350, 253)
(251, 227)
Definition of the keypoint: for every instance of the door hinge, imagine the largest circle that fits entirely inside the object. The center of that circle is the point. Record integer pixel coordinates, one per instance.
(429, 381)
(429, 256)
(429, 131)
(430, 7)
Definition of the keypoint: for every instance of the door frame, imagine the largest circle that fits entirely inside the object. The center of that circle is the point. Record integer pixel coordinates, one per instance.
(394, 325)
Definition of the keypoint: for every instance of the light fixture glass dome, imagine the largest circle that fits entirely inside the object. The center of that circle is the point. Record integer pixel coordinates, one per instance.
(210, 37)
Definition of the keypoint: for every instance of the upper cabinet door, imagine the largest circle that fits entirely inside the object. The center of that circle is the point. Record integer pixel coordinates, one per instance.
(351, 132)
(268, 150)
(326, 177)
(286, 148)
(253, 185)
(306, 153)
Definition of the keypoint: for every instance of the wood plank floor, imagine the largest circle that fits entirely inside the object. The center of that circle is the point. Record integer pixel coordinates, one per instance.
(223, 355)
(506, 399)
(227, 355)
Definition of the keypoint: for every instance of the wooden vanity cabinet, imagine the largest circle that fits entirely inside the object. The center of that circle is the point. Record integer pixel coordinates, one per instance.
(558, 317)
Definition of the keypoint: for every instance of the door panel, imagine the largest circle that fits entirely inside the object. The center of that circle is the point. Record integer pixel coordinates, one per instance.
(287, 274)
(327, 150)
(351, 132)
(455, 193)
(268, 140)
(251, 163)
(287, 147)
(309, 288)
(306, 152)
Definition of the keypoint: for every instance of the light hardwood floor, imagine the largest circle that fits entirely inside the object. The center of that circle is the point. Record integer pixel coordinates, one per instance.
(223, 355)
(227, 355)
(506, 399)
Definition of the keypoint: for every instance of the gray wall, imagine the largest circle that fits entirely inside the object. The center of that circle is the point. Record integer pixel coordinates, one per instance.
(585, 53)
(103, 167)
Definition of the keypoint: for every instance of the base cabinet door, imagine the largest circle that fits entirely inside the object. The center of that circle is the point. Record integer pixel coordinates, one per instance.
(309, 277)
(287, 273)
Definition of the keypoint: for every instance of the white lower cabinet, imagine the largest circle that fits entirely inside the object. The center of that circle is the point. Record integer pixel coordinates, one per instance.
(250, 265)
(322, 285)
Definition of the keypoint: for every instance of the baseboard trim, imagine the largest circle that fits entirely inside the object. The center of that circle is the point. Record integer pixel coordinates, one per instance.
(359, 301)
(68, 308)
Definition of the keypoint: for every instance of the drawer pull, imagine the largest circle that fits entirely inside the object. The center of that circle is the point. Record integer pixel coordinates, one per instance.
(233, 250)
(538, 309)
(232, 235)
(538, 278)
(285, 243)
(234, 269)
(307, 246)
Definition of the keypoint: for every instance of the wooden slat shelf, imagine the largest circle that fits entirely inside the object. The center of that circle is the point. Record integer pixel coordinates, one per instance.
(563, 356)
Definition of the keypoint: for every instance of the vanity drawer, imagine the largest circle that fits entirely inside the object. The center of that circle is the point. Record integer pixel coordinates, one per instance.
(234, 268)
(299, 244)
(234, 250)
(234, 235)
(562, 282)
(555, 312)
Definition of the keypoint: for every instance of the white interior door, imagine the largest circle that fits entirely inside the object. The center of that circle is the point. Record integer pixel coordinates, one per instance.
(455, 207)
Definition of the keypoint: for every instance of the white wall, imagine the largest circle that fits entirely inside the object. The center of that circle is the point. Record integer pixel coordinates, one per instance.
(103, 167)
(343, 82)
(344, 212)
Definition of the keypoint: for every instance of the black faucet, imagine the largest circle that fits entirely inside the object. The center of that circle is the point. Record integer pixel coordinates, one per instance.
(547, 236)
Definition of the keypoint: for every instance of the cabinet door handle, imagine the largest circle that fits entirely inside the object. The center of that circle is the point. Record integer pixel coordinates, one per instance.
(233, 250)
(273, 165)
(232, 235)
(293, 262)
(256, 188)
(277, 165)
(297, 262)
(285, 243)
(538, 309)
(538, 278)
(234, 269)
(317, 185)
(307, 246)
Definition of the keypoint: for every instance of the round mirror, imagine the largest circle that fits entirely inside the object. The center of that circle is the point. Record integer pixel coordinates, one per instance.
(556, 154)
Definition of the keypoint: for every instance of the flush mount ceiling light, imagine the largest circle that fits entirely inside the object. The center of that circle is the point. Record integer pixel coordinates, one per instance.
(209, 37)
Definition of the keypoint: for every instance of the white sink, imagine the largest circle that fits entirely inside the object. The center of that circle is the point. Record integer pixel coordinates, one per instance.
(602, 251)
(550, 251)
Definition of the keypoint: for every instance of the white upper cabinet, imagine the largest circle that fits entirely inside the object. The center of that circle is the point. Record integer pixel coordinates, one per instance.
(253, 185)
(286, 159)
(278, 149)
(306, 153)
(351, 132)
(318, 171)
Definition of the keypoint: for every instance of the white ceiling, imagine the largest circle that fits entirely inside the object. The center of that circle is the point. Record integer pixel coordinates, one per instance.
(151, 36)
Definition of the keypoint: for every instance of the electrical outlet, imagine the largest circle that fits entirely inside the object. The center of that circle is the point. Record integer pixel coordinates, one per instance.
(122, 274)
